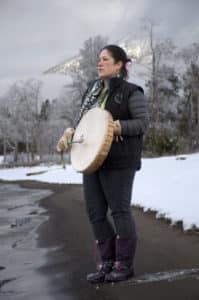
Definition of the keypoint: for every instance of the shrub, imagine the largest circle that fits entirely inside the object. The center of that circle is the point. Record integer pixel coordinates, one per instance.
(161, 141)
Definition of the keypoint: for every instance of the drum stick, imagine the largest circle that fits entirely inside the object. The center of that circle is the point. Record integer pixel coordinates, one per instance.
(79, 141)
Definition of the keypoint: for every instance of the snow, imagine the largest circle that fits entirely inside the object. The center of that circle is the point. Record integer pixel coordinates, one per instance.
(168, 185)
(53, 174)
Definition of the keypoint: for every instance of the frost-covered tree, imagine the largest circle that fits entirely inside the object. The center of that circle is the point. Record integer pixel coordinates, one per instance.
(5, 126)
(189, 108)
(169, 98)
(163, 138)
(86, 70)
(189, 124)
(12, 129)
(159, 53)
(62, 112)
(89, 56)
(22, 108)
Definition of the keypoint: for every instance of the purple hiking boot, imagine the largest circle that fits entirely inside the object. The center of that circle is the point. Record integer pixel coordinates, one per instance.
(107, 255)
(123, 267)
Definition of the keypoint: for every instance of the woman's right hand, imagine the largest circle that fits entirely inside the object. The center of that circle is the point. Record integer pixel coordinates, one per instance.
(64, 142)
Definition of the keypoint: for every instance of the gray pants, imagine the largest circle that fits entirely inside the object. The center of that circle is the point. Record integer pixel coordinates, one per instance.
(110, 189)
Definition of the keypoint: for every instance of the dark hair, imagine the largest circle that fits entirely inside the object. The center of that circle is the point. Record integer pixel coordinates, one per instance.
(119, 54)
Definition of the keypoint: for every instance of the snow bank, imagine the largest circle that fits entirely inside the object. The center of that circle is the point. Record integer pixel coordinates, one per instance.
(170, 187)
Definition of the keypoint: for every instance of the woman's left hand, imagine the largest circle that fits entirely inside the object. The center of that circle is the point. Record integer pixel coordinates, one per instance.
(117, 128)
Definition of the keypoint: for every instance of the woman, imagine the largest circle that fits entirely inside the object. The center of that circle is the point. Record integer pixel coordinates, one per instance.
(110, 187)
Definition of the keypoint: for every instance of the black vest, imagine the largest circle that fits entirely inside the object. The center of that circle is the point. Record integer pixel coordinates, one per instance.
(126, 153)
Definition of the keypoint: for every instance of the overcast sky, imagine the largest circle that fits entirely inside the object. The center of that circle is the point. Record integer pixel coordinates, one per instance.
(38, 34)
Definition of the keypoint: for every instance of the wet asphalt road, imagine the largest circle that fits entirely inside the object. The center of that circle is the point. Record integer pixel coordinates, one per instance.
(67, 245)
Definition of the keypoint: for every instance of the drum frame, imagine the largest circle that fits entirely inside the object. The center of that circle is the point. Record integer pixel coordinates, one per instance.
(103, 150)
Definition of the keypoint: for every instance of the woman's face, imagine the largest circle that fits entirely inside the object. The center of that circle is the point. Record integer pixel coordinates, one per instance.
(107, 67)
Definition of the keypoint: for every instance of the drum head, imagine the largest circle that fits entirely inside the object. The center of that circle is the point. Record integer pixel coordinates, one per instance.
(96, 130)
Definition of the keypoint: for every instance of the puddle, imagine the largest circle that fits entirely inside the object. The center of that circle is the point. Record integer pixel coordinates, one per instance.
(20, 256)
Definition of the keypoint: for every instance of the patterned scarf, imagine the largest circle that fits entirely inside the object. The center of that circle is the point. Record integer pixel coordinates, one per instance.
(91, 97)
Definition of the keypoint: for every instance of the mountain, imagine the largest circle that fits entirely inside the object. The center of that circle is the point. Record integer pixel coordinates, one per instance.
(136, 50)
